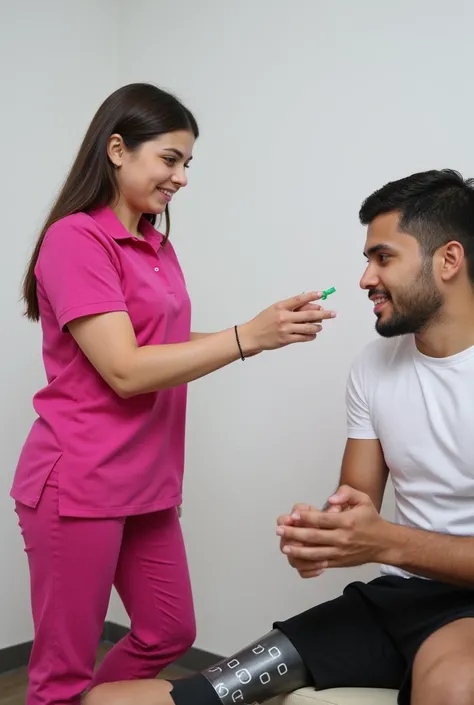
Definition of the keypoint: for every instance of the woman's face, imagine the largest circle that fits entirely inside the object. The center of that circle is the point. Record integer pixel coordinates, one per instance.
(149, 176)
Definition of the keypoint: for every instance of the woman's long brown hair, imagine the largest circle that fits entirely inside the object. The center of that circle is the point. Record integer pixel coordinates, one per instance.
(138, 112)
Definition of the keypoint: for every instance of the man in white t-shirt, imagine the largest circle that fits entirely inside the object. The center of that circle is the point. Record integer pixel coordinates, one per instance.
(410, 412)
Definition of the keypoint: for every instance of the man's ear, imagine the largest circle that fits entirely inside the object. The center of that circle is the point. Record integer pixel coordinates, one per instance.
(449, 260)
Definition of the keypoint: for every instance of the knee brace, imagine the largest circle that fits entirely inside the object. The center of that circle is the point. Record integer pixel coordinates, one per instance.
(269, 667)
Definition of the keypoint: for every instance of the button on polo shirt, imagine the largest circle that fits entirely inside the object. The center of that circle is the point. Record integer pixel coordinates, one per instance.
(112, 456)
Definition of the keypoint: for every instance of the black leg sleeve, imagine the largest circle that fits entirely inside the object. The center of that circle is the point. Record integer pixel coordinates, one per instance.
(269, 667)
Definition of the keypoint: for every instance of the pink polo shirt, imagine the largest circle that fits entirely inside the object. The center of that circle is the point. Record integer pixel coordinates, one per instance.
(111, 456)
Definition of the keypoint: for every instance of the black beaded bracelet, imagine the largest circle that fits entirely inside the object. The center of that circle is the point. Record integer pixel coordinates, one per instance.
(242, 356)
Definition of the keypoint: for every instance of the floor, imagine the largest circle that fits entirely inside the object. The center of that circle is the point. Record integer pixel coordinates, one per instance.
(13, 685)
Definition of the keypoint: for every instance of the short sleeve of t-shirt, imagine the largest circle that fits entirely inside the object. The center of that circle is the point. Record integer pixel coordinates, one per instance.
(77, 273)
(359, 423)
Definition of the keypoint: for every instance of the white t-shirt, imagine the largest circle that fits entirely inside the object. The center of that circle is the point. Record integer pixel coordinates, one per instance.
(421, 409)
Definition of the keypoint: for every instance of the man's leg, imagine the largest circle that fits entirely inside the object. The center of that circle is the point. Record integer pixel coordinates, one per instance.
(264, 669)
(443, 670)
(268, 667)
(337, 643)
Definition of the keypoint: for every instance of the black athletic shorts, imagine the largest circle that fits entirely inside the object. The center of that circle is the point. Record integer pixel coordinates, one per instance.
(369, 636)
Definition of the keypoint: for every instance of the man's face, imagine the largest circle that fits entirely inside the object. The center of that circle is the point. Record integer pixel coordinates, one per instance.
(399, 280)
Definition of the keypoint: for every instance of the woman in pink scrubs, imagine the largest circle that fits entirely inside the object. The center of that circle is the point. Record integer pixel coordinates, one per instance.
(99, 478)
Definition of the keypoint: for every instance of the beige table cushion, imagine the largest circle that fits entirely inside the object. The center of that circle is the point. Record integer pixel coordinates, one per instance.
(339, 696)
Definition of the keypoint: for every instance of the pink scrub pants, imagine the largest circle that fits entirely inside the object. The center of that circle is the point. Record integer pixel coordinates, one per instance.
(73, 564)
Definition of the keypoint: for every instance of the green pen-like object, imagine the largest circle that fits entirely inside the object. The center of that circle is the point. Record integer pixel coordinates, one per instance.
(327, 293)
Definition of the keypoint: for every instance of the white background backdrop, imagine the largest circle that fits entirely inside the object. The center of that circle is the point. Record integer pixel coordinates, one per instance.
(304, 110)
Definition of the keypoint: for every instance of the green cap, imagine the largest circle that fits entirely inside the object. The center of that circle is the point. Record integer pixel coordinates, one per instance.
(328, 292)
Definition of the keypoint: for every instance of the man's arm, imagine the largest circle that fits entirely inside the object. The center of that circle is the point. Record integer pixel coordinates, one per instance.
(363, 462)
(364, 468)
(437, 556)
(429, 554)
(359, 536)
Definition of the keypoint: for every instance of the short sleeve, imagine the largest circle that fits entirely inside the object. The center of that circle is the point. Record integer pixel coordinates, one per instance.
(359, 423)
(77, 274)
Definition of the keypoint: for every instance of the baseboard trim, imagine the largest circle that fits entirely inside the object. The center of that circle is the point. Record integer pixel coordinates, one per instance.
(14, 657)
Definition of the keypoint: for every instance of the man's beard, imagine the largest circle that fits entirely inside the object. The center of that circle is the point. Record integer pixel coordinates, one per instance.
(417, 306)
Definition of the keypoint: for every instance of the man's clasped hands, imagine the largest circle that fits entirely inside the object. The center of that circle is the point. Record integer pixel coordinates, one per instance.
(349, 532)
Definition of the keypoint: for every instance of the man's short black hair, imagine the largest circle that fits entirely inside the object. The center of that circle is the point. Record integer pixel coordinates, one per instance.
(434, 206)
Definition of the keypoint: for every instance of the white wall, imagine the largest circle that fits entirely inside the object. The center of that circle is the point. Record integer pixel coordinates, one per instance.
(50, 86)
(305, 107)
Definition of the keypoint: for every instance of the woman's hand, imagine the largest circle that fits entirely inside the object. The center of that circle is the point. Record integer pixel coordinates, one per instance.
(295, 320)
